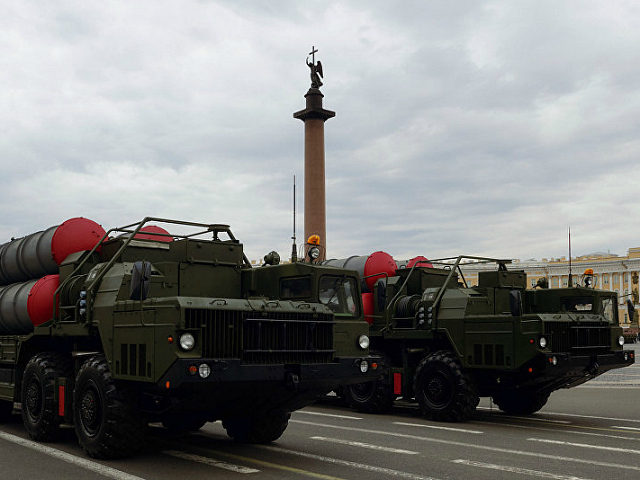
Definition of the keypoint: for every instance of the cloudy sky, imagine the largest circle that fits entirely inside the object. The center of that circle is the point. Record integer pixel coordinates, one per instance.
(484, 128)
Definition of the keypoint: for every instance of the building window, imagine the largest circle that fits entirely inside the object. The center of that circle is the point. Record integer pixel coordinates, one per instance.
(565, 281)
(605, 279)
(554, 282)
(615, 278)
(626, 278)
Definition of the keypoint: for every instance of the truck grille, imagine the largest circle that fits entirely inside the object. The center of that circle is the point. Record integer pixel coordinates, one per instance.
(567, 337)
(256, 339)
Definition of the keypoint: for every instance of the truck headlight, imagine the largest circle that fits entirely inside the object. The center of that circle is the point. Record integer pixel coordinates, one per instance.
(187, 342)
(542, 342)
(621, 340)
(363, 342)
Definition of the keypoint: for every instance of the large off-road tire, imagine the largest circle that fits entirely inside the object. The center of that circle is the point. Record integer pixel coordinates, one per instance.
(264, 428)
(521, 402)
(6, 411)
(39, 408)
(106, 419)
(184, 422)
(442, 390)
(370, 397)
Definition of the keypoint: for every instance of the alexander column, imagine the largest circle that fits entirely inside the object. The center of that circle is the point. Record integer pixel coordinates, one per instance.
(314, 117)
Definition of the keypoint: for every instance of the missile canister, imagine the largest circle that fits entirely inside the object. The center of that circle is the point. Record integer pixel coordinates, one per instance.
(25, 305)
(39, 254)
(377, 263)
(155, 233)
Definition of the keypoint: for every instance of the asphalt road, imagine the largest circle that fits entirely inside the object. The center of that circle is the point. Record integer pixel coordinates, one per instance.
(589, 432)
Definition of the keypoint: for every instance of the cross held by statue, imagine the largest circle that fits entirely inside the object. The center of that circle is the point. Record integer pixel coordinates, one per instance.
(313, 54)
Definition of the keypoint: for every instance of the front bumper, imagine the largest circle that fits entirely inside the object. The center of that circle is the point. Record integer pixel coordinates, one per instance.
(322, 376)
(570, 370)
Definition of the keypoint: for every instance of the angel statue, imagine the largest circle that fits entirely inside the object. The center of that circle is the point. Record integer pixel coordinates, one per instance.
(316, 69)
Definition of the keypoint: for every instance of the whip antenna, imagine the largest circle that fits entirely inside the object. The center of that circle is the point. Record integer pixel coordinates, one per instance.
(570, 277)
(294, 251)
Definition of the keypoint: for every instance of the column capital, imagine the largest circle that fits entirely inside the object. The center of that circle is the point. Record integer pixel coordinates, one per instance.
(314, 108)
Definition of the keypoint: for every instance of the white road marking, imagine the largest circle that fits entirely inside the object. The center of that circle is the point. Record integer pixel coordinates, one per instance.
(524, 471)
(347, 417)
(570, 431)
(364, 445)
(584, 445)
(622, 385)
(472, 445)
(532, 419)
(576, 415)
(627, 428)
(69, 458)
(210, 461)
(346, 463)
(437, 427)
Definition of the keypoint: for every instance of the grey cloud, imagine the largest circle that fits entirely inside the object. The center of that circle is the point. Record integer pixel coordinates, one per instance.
(467, 127)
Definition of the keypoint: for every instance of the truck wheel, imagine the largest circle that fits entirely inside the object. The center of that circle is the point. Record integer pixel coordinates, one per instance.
(39, 408)
(107, 423)
(259, 429)
(370, 397)
(184, 422)
(442, 390)
(521, 402)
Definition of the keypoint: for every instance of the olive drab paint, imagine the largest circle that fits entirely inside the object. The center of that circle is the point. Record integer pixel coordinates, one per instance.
(180, 329)
(446, 343)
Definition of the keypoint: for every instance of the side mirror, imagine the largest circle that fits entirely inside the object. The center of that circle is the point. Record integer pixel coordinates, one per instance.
(140, 280)
(515, 302)
(631, 309)
(381, 295)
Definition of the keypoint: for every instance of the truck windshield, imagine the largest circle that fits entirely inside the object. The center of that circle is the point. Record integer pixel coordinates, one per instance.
(577, 304)
(338, 293)
(295, 287)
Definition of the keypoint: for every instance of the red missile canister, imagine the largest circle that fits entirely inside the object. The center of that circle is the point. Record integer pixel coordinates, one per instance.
(25, 305)
(40, 253)
(376, 266)
(161, 234)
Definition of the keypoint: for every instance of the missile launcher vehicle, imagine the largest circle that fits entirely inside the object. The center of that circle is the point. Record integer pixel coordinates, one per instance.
(109, 331)
(445, 343)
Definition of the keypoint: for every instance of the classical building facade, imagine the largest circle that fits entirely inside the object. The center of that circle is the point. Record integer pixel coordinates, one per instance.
(610, 272)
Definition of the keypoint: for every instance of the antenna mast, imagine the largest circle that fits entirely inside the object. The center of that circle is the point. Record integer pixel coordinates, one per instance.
(294, 251)
(570, 277)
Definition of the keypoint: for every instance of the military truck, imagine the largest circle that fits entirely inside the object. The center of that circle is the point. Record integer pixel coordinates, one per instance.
(446, 343)
(136, 325)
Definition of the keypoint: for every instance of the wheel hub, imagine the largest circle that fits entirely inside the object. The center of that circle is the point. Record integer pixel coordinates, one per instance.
(438, 391)
(33, 400)
(90, 412)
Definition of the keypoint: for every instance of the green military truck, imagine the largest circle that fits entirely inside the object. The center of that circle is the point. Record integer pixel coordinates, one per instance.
(445, 343)
(174, 328)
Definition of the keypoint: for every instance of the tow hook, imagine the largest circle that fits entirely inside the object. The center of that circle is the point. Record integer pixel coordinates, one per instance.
(291, 381)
